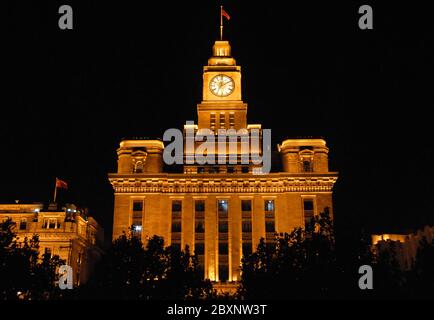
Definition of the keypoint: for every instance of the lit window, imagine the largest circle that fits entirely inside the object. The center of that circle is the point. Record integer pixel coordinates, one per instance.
(212, 121)
(222, 205)
(269, 205)
(222, 120)
(137, 218)
(231, 120)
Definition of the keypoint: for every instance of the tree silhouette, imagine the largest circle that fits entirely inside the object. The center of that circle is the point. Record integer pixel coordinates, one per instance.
(301, 264)
(23, 274)
(131, 271)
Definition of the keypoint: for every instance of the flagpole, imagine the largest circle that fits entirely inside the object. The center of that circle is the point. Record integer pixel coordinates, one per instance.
(55, 191)
(221, 23)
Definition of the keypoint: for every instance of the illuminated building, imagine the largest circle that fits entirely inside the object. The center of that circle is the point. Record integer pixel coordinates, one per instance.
(221, 210)
(68, 233)
(403, 246)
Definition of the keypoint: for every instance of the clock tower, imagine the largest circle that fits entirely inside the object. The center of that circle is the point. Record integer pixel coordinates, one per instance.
(222, 106)
(220, 209)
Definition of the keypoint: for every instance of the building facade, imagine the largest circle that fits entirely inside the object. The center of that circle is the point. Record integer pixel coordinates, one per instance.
(404, 247)
(68, 233)
(220, 210)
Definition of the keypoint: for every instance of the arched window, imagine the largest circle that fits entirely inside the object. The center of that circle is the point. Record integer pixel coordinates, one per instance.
(138, 167)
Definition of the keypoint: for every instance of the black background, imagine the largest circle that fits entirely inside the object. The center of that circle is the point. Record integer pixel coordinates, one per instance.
(135, 69)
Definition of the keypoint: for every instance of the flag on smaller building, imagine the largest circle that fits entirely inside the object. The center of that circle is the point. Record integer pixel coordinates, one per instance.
(61, 184)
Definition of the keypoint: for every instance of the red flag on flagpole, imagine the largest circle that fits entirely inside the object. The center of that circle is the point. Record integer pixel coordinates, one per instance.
(61, 184)
(225, 14)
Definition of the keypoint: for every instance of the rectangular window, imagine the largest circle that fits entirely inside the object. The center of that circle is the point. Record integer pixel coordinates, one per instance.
(247, 248)
(199, 205)
(176, 206)
(222, 120)
(231, 120)
(137, 229)
(269, 226)
(223, 206)
(223, 272)
(199, 249)
(176, 227)
(247, 226)
(138, 206)
(214, 170)
(223, 226)
(52, 224)
(47, 251)
(308, 204)
(23, 224)
(137, 220)
(223, 248)
(137, 217)
(212, 121)
(246, 205)
(308, 207)
(199, 227)
(269, 205)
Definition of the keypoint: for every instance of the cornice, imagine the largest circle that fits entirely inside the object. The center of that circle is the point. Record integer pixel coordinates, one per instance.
(187, 183)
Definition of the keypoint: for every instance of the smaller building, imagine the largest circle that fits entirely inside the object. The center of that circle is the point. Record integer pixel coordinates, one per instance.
(403, 246)
(67, 232)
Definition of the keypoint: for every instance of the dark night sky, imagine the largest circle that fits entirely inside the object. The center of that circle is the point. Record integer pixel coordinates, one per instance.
(135, 70)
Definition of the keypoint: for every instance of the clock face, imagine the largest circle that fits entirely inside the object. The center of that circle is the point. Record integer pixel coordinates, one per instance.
(222, 85)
